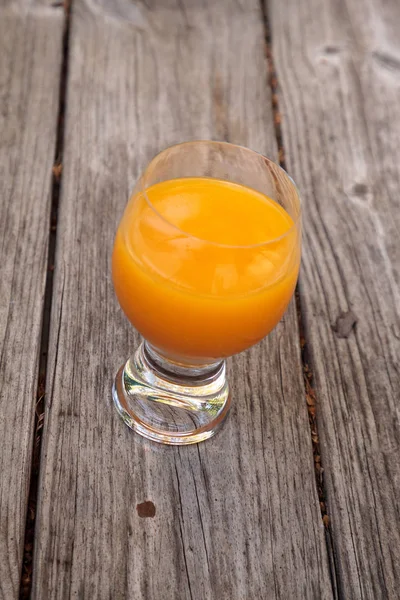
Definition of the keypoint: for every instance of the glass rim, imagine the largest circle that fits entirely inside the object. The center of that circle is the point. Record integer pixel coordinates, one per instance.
(296, 220)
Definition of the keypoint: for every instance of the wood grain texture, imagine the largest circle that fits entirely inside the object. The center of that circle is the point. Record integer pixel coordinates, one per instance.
(30, 58)
(236, 517)
(339, 75)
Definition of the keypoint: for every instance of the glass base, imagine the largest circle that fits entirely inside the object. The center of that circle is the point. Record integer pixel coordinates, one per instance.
(168, 402)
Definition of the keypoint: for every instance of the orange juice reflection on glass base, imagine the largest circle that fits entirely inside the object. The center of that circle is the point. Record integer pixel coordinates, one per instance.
(205, 262)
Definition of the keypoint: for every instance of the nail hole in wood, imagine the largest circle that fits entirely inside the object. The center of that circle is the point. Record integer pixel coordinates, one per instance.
(360, 189)
(344, 324)
(330, 50)
(146, 509)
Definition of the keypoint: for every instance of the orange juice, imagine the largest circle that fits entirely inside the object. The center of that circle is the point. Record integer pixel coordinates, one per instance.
(204, 268)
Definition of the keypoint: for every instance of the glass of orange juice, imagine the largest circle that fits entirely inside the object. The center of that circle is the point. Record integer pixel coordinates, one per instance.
(205, 262)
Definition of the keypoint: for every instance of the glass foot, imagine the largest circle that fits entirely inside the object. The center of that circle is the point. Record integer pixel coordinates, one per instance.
(170, 403)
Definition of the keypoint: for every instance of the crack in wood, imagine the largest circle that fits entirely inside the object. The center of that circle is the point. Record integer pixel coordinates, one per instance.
(307, 372)
(389, 62)
(29, 541)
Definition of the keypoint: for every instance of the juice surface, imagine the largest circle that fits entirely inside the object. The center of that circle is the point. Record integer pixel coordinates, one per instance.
(204, 268)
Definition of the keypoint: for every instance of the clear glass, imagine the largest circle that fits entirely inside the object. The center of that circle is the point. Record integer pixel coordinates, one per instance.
(196, 297)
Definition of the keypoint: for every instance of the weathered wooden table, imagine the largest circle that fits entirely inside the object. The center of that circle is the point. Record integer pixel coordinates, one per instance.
(298, 496)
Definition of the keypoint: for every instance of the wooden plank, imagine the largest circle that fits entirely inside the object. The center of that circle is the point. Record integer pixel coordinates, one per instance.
(238, 516)
(339, 74)
(30, 58)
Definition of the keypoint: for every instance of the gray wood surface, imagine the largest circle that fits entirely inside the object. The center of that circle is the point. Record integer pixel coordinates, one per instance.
(238, 516)
(339, 75)
(30, 53)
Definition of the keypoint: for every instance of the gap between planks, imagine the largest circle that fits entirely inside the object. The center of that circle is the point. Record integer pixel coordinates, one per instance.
(29, 540)
(309, 391)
